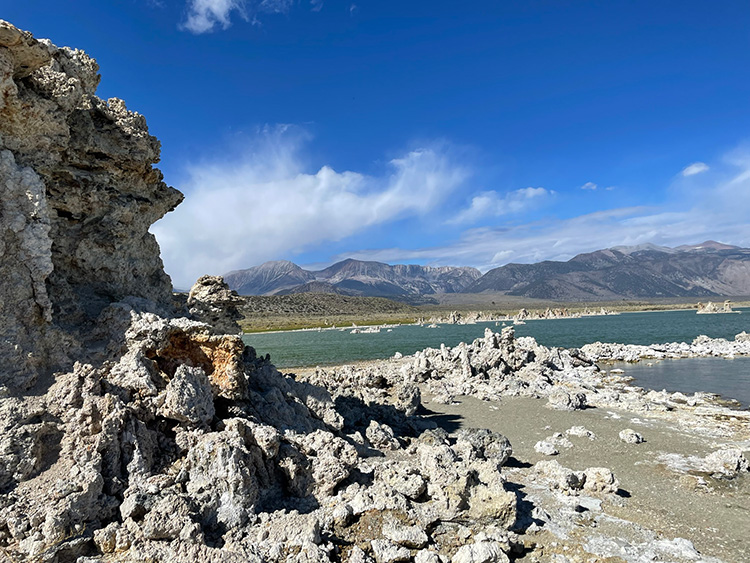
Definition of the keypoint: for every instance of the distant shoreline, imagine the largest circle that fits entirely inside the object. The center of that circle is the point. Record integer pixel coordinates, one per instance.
(265, 323)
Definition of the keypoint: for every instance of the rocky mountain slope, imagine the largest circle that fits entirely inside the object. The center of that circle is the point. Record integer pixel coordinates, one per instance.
(705, 270)
(268, 278)
(351, 277)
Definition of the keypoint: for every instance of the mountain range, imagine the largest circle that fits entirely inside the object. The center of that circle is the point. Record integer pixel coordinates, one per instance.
(352, 277)
(710, 269)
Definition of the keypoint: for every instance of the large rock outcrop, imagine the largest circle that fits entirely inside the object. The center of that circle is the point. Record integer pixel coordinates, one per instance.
(79, 192)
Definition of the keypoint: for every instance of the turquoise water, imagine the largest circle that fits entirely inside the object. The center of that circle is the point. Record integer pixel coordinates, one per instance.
(728, 378)
(328, 347)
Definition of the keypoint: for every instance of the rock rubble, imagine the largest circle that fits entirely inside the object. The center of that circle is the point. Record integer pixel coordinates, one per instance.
(701, 347)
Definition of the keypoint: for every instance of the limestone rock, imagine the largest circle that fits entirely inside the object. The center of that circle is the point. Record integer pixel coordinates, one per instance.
(403, 478)
(25, 52)
(413, 537)
(381, 436)
(387, 552)
(79, 194)
(559, 477)
(427, 556)
(211, 301)
(546, 448)
(485, 444)
(581, 432)
(630, 436)
(600, 480)
(357, 555)
(561, 400)
(480, 552)
(727, 463)
(188, 397)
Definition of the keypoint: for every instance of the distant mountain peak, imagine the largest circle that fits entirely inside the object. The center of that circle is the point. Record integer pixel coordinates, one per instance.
(631, 272)
(643, 247)
(706, 245)
(352, 277)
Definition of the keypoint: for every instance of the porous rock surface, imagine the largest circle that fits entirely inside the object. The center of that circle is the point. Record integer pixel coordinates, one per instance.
(211, 301)
(78, 193)
(701, 347)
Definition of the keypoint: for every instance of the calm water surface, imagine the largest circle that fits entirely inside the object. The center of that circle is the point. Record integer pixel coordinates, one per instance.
(329, 347)
(729, 378)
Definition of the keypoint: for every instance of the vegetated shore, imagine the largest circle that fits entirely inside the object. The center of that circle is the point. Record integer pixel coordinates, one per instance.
(321, 310)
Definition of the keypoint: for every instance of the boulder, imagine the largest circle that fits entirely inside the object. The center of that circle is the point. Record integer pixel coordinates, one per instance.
(726, 463)
(630, 436)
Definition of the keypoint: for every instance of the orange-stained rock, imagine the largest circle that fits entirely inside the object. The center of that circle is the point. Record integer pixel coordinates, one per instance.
(219, 356)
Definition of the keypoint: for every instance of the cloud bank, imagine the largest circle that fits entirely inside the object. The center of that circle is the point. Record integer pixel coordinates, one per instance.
(493, 204)
(265, 204)
(717, 209)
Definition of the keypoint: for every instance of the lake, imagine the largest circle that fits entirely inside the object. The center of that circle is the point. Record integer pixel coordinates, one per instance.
(729, 378)
(331, 347)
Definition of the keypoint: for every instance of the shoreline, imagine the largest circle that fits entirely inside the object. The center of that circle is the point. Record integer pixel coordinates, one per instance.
(314, 325)
(612, 357)
(566, 418)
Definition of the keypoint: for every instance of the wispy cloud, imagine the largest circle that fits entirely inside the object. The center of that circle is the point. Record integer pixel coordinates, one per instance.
(264, 204)
(695, 168)
(589, 186)
(203, 16)
(718, 209)
(494, 204)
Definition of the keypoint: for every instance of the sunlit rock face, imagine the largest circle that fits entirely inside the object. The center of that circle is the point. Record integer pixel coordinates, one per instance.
(78, 193)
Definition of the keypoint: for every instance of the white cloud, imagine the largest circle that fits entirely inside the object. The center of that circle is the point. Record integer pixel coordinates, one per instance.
(205, 15)
(695, 168)
(589, 186)
(264, 205)
(718, 210)
(493, 204)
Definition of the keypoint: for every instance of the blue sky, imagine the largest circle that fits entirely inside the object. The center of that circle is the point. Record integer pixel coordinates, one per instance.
(461, 133)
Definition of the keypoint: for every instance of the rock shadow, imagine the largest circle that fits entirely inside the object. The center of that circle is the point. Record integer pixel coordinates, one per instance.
(524, 509)
(516, 463)
(448, 422)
